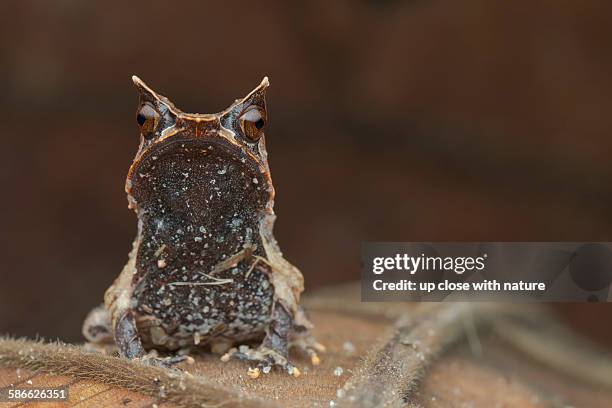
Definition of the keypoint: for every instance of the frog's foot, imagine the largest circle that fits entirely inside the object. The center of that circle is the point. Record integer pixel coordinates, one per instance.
(263, 357)
(307, 344)
(97, 326)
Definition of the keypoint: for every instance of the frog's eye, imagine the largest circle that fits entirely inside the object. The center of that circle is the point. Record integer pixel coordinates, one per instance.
(147, 118)
(252, 123)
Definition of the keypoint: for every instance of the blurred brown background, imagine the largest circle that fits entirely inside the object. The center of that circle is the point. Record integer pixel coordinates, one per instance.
(390, 120)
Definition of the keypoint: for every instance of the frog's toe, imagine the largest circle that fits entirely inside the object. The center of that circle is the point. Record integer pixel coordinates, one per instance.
(267, 364)
(315, 360)
(308, 345)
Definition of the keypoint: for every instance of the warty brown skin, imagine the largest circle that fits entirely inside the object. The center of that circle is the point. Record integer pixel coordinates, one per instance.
(205, 268)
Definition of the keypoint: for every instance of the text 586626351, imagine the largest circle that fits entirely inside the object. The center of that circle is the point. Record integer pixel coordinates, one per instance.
(26, 394)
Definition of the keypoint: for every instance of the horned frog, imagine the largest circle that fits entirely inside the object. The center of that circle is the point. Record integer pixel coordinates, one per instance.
(204, 268)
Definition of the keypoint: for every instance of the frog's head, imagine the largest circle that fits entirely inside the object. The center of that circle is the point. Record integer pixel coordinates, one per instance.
(167, 134)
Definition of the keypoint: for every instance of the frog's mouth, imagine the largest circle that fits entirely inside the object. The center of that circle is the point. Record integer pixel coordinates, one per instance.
(196, 149)
(185, 168)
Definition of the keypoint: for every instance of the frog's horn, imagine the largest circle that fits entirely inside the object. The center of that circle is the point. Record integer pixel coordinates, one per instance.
(256, 96)
(144, 88)
(257, 93)
(146, 91)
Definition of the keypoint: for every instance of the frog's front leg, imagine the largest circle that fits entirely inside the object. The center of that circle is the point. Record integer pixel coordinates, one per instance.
(122, 318)
(130, 345)
(98, 330)
(274, 349)
(302, 339)
(126, 336)
(285, 331)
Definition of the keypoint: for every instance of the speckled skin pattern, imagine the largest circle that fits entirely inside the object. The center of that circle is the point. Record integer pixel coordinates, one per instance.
(205, 268)
(197, 204)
